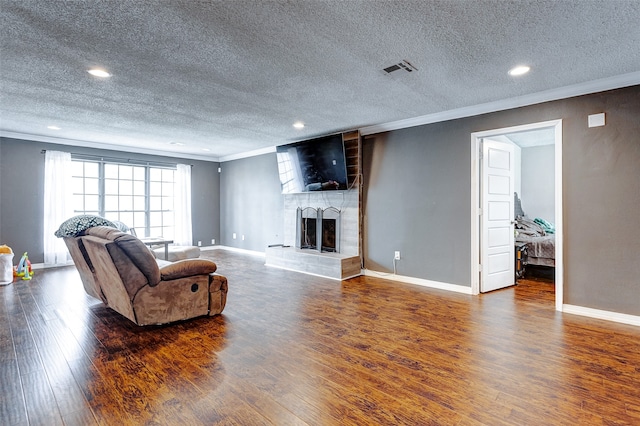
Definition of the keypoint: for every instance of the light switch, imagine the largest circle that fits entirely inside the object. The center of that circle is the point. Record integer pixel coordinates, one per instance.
(596, 120)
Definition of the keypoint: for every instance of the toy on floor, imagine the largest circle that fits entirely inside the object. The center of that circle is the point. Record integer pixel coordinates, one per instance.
(6, 265)
(23, 269)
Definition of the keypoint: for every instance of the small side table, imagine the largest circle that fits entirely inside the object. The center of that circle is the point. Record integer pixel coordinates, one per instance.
(521, 259)
(157, 241)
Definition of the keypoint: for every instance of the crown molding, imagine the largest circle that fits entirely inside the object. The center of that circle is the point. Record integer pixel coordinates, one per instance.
(594, 86)
(254, 153)
(100, 145)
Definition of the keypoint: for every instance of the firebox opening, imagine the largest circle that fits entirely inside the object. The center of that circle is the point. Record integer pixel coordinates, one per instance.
(316, 232)
(329, 235)
(308, 234)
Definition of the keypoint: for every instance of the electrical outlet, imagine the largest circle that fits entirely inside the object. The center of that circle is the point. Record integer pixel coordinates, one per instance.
(199, 243)
(234, 235)
(396, 256)
(213, 241)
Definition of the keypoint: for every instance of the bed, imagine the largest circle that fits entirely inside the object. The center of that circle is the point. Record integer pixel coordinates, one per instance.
(538, 235)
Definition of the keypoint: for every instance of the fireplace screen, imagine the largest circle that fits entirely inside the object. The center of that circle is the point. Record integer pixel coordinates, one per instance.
(318, 229)
(308, 233)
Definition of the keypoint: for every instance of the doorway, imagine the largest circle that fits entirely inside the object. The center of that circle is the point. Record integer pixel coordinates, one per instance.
(478, 261)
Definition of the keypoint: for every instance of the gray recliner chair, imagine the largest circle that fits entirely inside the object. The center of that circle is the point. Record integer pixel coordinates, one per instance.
(120, 270)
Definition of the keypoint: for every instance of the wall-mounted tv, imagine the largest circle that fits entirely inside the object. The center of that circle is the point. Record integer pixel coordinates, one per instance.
(313, 165)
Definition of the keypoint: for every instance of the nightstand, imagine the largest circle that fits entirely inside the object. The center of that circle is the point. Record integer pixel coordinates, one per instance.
(521, 259)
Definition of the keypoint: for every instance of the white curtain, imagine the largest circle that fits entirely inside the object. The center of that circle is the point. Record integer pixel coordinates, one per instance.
(182, 199)
(57, 204)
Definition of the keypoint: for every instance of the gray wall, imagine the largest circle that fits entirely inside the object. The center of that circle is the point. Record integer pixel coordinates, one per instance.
(205, 201)
(1, 240)
(251, 203)
(22, 193)
(417, 196)
(416, 201)
(22, 197)
(538, 182)
(601, 202)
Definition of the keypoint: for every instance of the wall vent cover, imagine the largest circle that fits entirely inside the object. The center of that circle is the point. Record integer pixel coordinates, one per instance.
(403, 65)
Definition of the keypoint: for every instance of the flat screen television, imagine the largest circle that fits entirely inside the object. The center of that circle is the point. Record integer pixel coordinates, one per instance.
(313, 165)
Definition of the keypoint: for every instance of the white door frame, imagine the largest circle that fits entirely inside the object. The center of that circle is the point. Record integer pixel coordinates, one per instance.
(475, 199)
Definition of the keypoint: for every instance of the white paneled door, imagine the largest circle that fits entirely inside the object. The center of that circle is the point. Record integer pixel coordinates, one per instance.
(497, 218)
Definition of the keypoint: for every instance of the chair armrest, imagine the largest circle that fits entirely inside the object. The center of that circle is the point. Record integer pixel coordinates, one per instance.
(218, 283)
(218, 289)
(187, 268)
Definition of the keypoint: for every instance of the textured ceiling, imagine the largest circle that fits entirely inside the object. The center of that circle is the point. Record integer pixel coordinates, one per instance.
(233, 76)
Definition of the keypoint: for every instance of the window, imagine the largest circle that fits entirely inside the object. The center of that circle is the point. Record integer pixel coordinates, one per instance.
(287, 171)
(139, 196)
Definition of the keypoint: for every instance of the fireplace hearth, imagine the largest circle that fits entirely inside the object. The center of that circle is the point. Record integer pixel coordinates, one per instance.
(318, 229)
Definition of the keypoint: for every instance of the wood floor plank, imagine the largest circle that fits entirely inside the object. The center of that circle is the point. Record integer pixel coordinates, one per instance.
(79, 418)
(67, 393)
(13, 410)
(102, 397)
(12, 406)
(272, 410)
(48, 363)
(24, 346)
(292, 349)
(41, 406)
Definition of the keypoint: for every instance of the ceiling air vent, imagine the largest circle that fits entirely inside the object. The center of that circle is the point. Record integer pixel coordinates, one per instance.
(404, 65)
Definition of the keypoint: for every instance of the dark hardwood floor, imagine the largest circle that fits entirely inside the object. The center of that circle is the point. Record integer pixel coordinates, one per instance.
(292, 349)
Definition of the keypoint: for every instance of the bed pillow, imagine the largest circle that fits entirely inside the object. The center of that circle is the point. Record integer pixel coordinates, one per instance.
(526, 226)
(517, 206)
(76, 225)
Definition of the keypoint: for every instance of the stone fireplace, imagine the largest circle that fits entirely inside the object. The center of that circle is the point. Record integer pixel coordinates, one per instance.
(322, 228)
(321, 235)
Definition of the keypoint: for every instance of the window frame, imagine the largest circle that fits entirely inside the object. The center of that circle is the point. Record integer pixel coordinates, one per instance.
(167, 202)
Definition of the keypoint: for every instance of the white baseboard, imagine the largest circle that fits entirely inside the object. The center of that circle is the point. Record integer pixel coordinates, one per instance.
(419, 281)
(600, 314)
(238, 250)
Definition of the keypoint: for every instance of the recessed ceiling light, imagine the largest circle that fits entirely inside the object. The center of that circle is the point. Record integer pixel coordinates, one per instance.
(99, 73)
(53, 127)
(298, 125)
(519, 70)
(176, 143)
(206, 149)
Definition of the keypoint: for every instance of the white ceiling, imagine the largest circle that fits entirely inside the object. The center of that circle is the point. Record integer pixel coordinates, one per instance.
(533, 138)
(232, 76)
